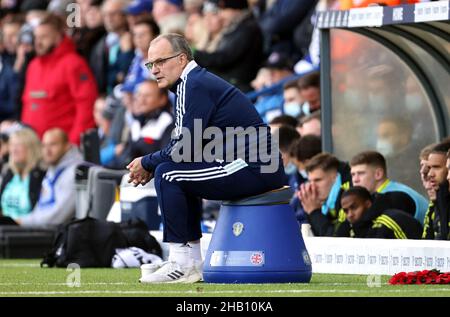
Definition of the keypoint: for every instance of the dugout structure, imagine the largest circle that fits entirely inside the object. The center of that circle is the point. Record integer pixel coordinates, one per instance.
(385, 82)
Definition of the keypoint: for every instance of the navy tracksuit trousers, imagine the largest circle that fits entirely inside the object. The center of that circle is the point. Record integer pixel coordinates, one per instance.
(181, 186)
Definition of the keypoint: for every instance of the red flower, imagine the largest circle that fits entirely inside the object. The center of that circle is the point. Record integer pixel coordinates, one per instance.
(398, 278)
(445, 278)
(420, 277)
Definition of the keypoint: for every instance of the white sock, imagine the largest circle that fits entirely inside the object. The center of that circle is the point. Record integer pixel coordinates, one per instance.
(195, 251)
(184, 254)
(179, 253)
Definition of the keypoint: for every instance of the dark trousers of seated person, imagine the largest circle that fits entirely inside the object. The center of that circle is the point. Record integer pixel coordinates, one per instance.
(180, 187)
(7, 221)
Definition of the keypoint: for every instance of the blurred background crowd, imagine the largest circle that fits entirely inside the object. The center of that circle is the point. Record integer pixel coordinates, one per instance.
(67, 67)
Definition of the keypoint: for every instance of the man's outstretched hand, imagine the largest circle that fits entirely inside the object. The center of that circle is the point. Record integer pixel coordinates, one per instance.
(138, 175)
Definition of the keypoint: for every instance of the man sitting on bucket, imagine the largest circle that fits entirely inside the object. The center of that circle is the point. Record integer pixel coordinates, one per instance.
(220, 150)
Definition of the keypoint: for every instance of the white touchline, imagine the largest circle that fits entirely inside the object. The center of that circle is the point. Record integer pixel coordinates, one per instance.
(219, 292)
(131, 283)
(64, 284)
(6, 265)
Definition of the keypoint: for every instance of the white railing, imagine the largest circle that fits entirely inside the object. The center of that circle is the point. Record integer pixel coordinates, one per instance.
(365, 256)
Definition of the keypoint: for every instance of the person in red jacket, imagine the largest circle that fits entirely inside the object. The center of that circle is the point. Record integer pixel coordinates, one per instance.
(60, 89)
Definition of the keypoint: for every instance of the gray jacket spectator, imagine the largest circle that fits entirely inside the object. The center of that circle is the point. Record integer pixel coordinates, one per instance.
(56, 203)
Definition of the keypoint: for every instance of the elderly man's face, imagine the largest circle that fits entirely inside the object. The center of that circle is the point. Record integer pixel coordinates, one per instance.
(167, 64)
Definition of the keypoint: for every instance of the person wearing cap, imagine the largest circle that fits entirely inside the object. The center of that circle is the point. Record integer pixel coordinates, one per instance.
(170, 16)
(270, 105)
(137, 10)
(238, 54)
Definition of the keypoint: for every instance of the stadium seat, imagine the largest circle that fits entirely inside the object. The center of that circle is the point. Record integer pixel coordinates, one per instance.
(257, 240)
(96, 190)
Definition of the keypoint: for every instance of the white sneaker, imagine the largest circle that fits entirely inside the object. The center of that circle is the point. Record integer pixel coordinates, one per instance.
(172, 272)
(149, 268)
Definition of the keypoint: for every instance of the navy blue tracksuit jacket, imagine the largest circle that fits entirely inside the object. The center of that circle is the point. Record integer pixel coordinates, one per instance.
(234, 172)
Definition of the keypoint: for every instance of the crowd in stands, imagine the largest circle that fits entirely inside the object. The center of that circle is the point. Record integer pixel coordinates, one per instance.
(64, 72)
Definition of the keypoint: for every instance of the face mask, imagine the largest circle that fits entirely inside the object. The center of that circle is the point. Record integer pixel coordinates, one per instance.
(385, 147)
(413, 102)
(306, 109)
(292, 109)
(290, 169)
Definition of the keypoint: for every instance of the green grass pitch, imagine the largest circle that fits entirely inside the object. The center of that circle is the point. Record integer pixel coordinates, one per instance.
(26, 278)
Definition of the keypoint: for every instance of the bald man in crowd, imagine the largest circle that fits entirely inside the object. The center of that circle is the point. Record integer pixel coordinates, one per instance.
(56, 203)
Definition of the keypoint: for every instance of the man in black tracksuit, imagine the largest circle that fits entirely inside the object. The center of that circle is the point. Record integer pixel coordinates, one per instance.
(437, 218)
(369, 218)
(328, 178)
